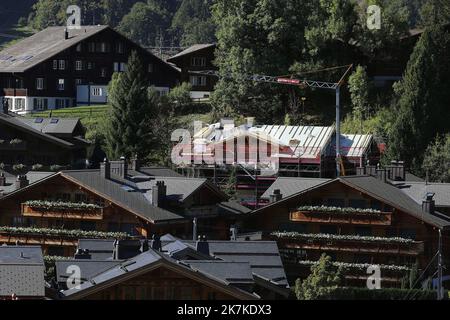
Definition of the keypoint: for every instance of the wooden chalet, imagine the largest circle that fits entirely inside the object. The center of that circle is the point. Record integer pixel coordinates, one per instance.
(358, 221)
(57, 68)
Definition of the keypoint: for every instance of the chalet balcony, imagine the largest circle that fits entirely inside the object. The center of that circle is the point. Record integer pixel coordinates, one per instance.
(6, 145)
(15, 92)
(355, 217)
(56, 237)
(349, 243)
(32, 210)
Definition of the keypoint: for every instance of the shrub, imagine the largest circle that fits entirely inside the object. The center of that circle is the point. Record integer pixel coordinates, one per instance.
(15, 141)
(55, 168)
(19, 167)
(37, 167)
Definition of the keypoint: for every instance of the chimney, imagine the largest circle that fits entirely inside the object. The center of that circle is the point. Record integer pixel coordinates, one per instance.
(428, 205)
(276, 196)
(202, 245)
(126, 249)
(21, 182)
(66, 34)
(120, 167)
(105, 169)
(145, 246)
(2, 180)
(135, 163)
(159, 192)
(382, 175)
(81, 254)
(156, 243)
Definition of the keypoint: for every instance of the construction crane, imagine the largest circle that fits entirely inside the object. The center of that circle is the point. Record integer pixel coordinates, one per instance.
(302, 83)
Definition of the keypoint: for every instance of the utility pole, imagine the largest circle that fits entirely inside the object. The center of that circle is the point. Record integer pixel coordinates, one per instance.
(338, 131)
(440, 293)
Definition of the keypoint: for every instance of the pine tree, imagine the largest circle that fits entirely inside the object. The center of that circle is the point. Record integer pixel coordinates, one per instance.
(423, 99)
(129, 129)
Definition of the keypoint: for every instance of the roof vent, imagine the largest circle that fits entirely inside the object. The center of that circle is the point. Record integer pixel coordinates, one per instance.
(66, 34)
(428, 205)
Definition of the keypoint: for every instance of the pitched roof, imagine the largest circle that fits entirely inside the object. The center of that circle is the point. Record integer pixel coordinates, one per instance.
(191, 49)
(16, 122)
(133, 201)
(418, 190)
(289, 186)
(146, 262)
(384, 192)
(41, 46)
(353, 145)
(52, 125)
(154, 172)
(21, 271)
(88, 268)
(32, 176)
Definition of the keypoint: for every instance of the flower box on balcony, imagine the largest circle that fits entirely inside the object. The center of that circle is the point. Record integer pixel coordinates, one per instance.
(338, 215)
(62, 210)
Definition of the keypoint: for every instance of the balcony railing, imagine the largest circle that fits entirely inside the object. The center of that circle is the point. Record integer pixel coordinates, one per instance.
(7, 146)
(62, 213)
(348, 243)
(359, 218)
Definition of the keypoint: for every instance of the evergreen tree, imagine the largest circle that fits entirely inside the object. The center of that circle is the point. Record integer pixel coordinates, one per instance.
(129, 131)
(358, 84)
(324, 278)
(437, 160)
(423, 98)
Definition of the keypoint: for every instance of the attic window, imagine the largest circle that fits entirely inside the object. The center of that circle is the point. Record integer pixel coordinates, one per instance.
(38, 120)
(54, 120)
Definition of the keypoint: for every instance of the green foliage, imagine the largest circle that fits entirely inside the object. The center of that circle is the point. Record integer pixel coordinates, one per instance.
(423, 97)
(37, 167)
(358, 85)
(331, 237)
(129, 130)
(324, 278)
(180, 96)
(192, 23)
(435, 12)
(350, 293)
(339, 210)
(380, 124)
(64, 233)
(146, 23)
(437, 160)
(230, 187)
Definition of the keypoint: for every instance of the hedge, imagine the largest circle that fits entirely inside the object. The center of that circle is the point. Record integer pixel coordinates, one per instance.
(351, 293)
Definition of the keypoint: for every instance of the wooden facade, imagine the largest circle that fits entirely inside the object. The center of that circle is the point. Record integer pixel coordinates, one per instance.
(112, 217)
(88, 65)
(419, 246)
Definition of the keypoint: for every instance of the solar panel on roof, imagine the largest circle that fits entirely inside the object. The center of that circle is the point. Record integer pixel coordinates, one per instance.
(54, 120)
(38, 120)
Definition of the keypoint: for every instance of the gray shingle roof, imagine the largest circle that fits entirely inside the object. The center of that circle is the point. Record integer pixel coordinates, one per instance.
(52, 125)
(41, 46)
(134, 201)
(234, 273)
(233, 207)
(191, 49)
(396, 198)
(18, 123)
(178, 188)
(289, 186)
(99, 249)
(418, 190)
(154, 172)
(21, 271)
(88, 268)
(32, 176)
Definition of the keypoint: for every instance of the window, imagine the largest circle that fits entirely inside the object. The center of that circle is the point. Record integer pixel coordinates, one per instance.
(9, 103)
(97, 92)
(128, 228)
(90, 65)
(62, 64)
(19, 104)
(88, 225)
(375, 204)
(40, 84)
(119, 47)
(336, 202)
(328, 229)
(363, 231)
(78, 65)
(19, 221)
(40, 104)
(61, 83)
(103, 72)
(116, 66)
(79, 47)
(408, 233)
(78, 81)
(123, 67)
(55, 64)
(113, 227)
(198, 62)
(150, 68)
(55, 251)
(199, 81)
(357, 203)
(60, 103)
(91, 47)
